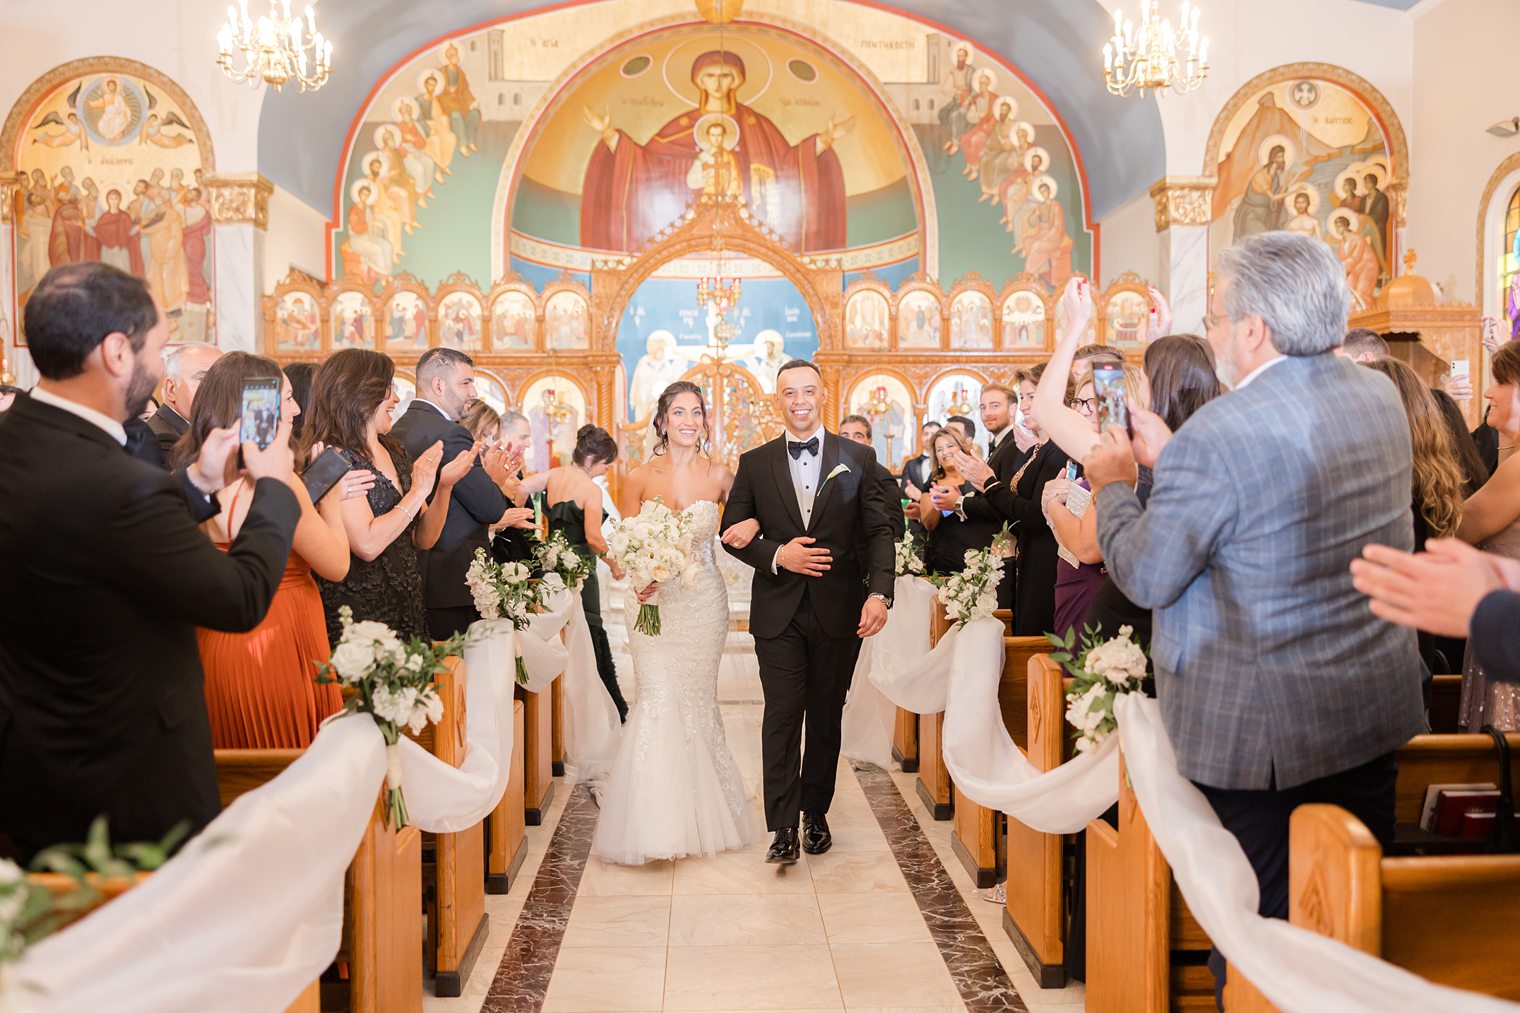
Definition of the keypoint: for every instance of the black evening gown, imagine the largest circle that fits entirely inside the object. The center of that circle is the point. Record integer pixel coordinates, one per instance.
(570, 520)
(948, 542)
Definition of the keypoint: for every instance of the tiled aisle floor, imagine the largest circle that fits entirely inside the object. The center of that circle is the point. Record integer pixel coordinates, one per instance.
(836, 931)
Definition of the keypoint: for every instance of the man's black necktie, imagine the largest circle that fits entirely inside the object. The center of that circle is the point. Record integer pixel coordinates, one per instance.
(796, 447)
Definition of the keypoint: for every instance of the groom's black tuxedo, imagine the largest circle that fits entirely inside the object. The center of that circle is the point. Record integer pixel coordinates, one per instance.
(805, 627)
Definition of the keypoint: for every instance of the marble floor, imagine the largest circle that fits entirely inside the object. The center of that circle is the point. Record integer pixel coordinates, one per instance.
(887, 920)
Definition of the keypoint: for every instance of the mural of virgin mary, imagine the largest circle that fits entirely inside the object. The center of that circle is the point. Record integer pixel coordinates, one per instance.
(634, 190)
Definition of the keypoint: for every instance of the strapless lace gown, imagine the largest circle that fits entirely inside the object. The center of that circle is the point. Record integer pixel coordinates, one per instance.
(674, 789)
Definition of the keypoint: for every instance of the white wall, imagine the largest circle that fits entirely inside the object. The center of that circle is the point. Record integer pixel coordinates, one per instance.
(1464, 60)
(297, 238)
(1128, 241)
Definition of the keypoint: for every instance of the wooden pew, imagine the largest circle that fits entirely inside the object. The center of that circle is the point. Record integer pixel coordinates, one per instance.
(557, 729)
(1445, 704)
(506, 834)
(382, 899)
(905, 741)
(453, 890)
(933, 782)
(536, 747)
(1449, 919)
(977, 837)
(1035, 915)
(1146, 952)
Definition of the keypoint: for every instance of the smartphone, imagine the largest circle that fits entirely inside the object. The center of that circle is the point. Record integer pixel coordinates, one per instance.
(323, 473)
(1113, 406)
(1071, 471)
(1459, 368)
(261, 411)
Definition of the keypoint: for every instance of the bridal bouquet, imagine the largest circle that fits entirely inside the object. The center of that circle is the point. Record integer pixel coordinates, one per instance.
(395, 684)
(909, 561)
(503, 591)
(972, 593)
(554, 555)
(653, 547)
(1102, 672)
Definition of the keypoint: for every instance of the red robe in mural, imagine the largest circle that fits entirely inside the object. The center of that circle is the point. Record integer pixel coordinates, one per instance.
(634, 190)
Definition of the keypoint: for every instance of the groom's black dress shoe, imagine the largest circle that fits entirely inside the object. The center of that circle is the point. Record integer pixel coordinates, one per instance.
(816, 838)
(784, 847)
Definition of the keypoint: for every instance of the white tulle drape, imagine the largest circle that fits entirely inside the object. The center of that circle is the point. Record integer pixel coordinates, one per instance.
(250, 912)
(870, 715)
(593, 730)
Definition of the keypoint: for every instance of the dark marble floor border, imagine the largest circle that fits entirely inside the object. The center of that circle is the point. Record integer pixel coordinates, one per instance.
(522, 979)
(983, 983)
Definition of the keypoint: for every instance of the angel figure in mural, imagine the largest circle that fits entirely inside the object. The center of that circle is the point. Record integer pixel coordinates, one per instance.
(458, 102)
(716, 170)
(1046, 246)
(1353, 244)
(633, 190)
(70, 132)
(154, 131)
(958, 83)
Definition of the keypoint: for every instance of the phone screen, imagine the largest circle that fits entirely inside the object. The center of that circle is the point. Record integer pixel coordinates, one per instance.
(1113, 407)
(323, 473)
(1071, 471)
(261, 411)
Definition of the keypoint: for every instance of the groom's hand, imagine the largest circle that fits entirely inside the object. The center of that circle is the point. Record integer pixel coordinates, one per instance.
(800, 557)
(741, 534)
(873, 616)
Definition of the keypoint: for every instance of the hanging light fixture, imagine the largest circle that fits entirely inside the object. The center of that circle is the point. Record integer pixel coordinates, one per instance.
(276, 48)
(1155, 56)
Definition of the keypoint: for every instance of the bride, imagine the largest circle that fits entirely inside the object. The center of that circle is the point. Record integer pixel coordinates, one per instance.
(674, 789)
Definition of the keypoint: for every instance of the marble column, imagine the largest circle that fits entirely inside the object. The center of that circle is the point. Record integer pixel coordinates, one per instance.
(240, 219)
(1184, 205)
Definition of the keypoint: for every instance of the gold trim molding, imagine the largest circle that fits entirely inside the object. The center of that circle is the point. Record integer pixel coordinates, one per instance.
(1480, 273)
(1357, 85)
(65, 72)
(9, 184)
(240, 200)
(1183, 200)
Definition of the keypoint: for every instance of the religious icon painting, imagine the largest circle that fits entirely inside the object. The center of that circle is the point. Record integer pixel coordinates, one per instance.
(886, 401)
(406, 323)
(490, 389)
(1024, 320)
(919, 320)
(971, 321)
(1127, 318)
(459, 322)
(353, 321)
(567, 322)
(866, 321)
(514, 323)
(297, 323)
(555, 407)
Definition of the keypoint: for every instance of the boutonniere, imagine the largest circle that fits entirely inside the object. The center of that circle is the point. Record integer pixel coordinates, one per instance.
(839, 469)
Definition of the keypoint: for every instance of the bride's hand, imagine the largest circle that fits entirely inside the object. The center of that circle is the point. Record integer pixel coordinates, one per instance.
(612, 564)
(741, 534)
(647, 595)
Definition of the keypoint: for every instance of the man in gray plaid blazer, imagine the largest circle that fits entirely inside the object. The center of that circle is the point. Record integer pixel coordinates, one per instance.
(1277, 684)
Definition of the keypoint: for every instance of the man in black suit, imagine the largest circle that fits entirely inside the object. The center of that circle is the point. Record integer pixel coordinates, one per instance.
(102, 706)
(816, 497)
(445, 385)
(1007, 451)
(858, 429)
(184, 368)
(916, 472)
(515, 544)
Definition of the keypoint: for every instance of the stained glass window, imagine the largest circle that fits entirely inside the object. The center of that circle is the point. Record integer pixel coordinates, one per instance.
(1509, 264)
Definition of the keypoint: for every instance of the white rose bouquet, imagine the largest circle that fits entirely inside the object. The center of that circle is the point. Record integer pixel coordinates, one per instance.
(1102, 672)
(909, 561)
(555, 555)
(972, 593)
(653, 547)
(395, 685)
(503, 591)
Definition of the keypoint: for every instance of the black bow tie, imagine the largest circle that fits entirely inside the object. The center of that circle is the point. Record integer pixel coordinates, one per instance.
(796, 447)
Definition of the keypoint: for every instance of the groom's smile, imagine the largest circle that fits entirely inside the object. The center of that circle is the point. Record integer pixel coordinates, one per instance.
(799, 394)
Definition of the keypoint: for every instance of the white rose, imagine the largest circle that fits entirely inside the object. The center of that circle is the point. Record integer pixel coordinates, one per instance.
(661, 574)
(414, 663)
(352, 660)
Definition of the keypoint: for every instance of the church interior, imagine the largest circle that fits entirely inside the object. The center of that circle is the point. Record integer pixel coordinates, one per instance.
(593, 199)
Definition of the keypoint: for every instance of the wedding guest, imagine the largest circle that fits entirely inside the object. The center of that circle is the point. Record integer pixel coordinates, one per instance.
(482, 421)
(352, 395)
(261, 689)
(1362, 345)
(1087, 353)
(916, 471)
(107, 578)
(951, 533)
(858, 428)
(574, 502)
(1008, 448)
(1276, 686)
(1491, 521)
(184, 368)
(149, 410)
(966, 426)
(445, 385)
(299, 374)
(514, 544)
(1474, 472)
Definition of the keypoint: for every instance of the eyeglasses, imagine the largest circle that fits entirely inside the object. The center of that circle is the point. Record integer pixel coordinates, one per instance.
(1085, 405)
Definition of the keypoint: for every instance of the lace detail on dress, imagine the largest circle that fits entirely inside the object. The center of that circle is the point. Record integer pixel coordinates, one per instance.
(675, 789)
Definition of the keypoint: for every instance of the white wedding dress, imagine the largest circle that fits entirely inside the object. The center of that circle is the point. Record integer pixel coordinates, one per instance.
(674, 789)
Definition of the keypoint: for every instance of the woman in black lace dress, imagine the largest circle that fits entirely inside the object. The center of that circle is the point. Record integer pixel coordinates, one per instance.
(351, 401)
(575, 510)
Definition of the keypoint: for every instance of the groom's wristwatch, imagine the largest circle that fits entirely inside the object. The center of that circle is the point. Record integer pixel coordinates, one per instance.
(882, 598)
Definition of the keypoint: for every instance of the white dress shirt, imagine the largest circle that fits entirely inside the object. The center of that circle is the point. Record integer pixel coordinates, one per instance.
(113, 428)
(1253, 374)
(804, 469)
(440, 411)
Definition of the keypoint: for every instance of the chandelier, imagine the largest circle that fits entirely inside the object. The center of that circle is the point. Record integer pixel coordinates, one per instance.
(720, 297)
(275, 49)
(1156, 55)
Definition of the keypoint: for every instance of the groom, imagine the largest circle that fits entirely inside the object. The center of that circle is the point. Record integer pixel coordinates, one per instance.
(815, 596)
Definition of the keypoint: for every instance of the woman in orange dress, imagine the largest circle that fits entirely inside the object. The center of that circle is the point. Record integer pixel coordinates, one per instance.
(261, 689)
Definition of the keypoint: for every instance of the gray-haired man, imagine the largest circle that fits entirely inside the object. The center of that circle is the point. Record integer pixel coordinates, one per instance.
(1277, 684)
(184, 368)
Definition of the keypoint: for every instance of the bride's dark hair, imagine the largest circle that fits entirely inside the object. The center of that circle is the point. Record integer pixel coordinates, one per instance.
(662, 409)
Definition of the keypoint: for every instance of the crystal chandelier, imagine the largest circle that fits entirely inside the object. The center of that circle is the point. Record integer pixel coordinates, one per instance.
(275, 49)
(1156, 55)
(720, 297)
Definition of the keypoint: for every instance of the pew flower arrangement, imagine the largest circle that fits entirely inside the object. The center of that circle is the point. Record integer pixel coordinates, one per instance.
(653, 547)
(503, 591)
(972, 593)
(396, 686)
(555, 555)
(909, 561)
(1102, 671)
